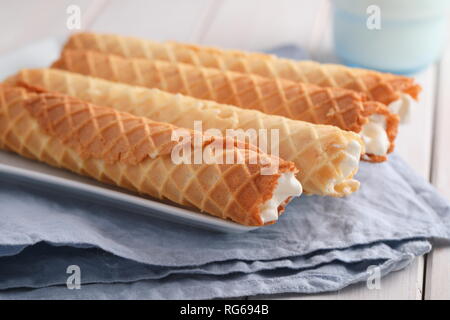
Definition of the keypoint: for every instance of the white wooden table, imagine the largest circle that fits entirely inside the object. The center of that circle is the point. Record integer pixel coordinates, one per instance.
(257, 25)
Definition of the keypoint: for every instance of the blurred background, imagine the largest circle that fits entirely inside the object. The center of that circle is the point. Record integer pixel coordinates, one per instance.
(410, 37)
(361, 32)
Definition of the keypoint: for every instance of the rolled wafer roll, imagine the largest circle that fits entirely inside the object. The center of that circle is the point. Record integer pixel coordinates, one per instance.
(327, 157)
(382, 87)
(334, 106)
(137, 153)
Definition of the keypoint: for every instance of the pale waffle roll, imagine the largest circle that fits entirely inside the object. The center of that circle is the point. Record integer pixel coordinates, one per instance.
(135, 153)
(377, 86)
(326, 156)
(334, 106)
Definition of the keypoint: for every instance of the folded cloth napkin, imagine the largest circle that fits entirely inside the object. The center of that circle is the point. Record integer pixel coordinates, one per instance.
(319, 244)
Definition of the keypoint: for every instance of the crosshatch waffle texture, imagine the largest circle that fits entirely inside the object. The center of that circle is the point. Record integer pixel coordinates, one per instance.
(377, 86)
(134, 153)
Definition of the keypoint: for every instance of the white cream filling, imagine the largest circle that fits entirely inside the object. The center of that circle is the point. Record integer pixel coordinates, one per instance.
(374, 135)
(347, 167)
(402, 107)
(288, 186)
(351, 162)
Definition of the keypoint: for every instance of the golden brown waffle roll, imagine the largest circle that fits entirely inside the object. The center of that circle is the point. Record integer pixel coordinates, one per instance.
(339, 107)
(326, 156)
(136, 153)
(382, 87)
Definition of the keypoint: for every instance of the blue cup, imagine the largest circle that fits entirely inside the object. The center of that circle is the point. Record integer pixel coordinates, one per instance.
(399, 36)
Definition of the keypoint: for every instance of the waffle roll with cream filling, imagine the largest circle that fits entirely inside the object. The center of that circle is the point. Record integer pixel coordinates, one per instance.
(393, 90)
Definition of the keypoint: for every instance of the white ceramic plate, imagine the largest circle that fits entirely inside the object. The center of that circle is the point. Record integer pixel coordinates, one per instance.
(41, 54)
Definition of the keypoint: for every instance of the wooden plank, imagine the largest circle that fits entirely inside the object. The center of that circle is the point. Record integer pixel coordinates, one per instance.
(262, 24)
(437, 283)
(401, 285)
(22, 22)
(414, 141)
(441, 154)
(321, 43)
(159, 20)
(438, 262)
